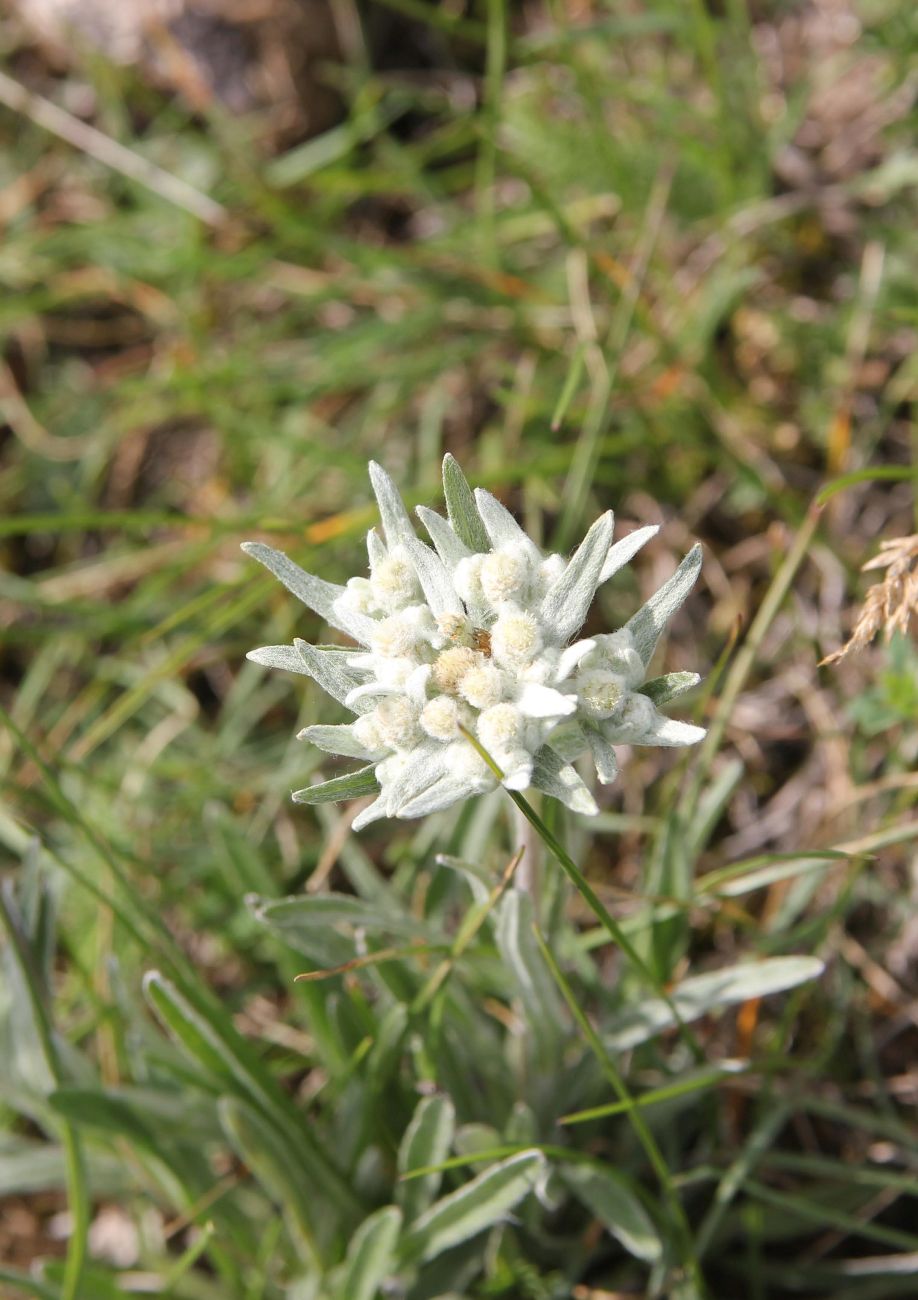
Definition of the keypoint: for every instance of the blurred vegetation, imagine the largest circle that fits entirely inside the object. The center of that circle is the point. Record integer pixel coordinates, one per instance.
(657, 256)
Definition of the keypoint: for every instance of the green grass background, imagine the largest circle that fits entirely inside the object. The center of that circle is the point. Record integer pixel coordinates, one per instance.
(571, 251)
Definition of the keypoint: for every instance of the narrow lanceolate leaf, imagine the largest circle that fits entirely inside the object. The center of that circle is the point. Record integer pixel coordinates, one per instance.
(649, 621)
(701, 994)
(535, 701)
(329, 668)
(321, 911)
(537, 990)
(561, 781)
(377, 550)
(353, 785)
(335, 740)
(450, 548)
(273, 1162)
(670, 733)
(214, 1044)
(566, 602)
(434, 578)
(438, 795)
(285, 657)
(427, 1141)
(622, 551)
(425, 765)
(373, 812)
(603, 756)
(610, 1196)
(474, 1208)
(660, 690)
(502, 528)
(370, 1255)
(395, 519)
(463, 512)
(317, 594)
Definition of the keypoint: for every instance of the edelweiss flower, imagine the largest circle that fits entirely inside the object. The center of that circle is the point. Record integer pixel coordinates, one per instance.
(476, 633)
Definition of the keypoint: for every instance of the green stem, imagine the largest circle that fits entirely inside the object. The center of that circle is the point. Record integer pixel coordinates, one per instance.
(635, 1118)
(583, 887)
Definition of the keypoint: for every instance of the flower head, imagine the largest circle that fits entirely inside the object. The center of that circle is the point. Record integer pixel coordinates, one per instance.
(476, 635)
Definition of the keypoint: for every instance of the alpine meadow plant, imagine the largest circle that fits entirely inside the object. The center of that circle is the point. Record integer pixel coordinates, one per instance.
(468, 653)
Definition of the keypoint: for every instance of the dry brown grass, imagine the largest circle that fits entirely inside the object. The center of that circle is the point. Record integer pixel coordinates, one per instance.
(892, 603)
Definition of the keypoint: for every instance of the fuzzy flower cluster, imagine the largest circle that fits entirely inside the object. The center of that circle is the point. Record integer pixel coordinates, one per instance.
(476, 634)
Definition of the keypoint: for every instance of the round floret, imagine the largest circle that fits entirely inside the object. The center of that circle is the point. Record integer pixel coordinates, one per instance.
(357, 596)
(550, 570)
(394, 582)
(616, 653)
(398, 722)
(393, 637)
(504, 574)
(467, 580)
(440, 718)
(599, 692)
(516, 639)
(631, 721)
(482, 686)
(452, 665)
(500, 728)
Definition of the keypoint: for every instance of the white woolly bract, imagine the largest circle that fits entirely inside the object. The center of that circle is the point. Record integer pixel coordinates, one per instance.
(452, 638)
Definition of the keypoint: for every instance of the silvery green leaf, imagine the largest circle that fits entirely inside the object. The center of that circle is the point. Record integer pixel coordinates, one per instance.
(450, 548)
(603, 756)
(520, 952)
(700, 994)
(374, 812)
(329, 668)
(301, 912)
(286, 657)
(392, 511)
(662, 689)
(474, 1207)
(335, 740)
(621, 552)
(353, 785)
(377, 550)
(649, 621)
(460, 504)
(317, 594)
(610, 1196)
(501, 526)
(427, 1141)
(535, 701)
(439, 794)
(435, 579)
(567, 600)
(561, 781)
(669, 733)
(425, 765)
(360, 626)
(370, 1255)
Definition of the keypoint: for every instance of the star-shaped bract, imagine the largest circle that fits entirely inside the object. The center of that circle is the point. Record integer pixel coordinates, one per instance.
(477, 633)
